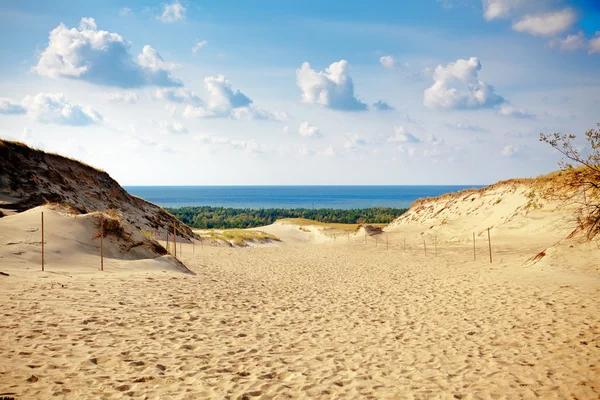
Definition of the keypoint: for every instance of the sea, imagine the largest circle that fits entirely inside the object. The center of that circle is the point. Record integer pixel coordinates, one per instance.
(257, 197)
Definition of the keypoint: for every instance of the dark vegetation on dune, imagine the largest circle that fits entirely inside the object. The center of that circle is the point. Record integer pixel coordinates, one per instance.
(206, 217)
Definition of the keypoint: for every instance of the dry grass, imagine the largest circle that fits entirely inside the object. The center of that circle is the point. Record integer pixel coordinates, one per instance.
(328, 227)
(237, 237)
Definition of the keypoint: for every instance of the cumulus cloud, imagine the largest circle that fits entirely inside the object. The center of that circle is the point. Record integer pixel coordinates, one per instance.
(401, 135)
(495, 9)
(595, 44)
(172, 12)
(102, 58)
(8, 107)
(381, 105)
(307, 130)
(332, 88)
(198, 46)
(510, 111)
(457, 85)
(125, 11)
(546, 24)
(177, 95)
(571, 42)
(388, 62)
(173, 127)
(354, 142)
(223, 102)
(55, 108)
(121, 97)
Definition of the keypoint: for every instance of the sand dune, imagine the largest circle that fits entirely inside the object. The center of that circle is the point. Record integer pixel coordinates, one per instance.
(311, 317)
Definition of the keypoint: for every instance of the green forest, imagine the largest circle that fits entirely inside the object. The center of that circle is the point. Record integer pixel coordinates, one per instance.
(206, 217)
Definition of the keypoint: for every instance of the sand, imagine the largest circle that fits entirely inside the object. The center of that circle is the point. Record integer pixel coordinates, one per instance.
(309, 317)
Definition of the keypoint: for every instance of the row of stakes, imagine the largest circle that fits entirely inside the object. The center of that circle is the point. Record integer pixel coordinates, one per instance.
(194, 246)
(387, 245)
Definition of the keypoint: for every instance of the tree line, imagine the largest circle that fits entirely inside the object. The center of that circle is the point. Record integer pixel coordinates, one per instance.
(206, 217)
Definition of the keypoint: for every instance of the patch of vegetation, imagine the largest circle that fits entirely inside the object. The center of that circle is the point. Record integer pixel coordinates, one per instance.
(239, 237)
(582, 180)
(207, 217)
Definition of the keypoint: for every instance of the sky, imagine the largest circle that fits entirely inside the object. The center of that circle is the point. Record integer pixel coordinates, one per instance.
(270, 92)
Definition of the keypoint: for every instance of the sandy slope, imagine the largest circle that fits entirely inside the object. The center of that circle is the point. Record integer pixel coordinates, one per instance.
(326, 320)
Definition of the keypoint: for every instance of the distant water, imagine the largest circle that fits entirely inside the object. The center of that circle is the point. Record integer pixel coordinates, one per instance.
(344, 197)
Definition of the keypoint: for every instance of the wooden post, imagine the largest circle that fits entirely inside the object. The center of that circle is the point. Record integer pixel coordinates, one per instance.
(42, 240)
(154, 233)
(168, 252)
(101, 243)
(174, 240)
(474, 259)
(387, 245)
(180, 253)
(193, 246)
(490, 244)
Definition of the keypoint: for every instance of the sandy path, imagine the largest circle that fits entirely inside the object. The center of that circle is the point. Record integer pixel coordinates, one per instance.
(329, 320)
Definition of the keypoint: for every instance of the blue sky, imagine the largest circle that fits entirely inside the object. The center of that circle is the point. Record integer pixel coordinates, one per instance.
(272, 92)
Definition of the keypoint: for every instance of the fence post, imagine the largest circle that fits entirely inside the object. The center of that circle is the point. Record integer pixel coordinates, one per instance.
(474, 259)
(387, 245)
(174, 240)
(101, 243)
(490, 244)
(168, 252)
(42, 240)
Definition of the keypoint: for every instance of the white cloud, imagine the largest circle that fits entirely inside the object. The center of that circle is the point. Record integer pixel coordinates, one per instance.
(546, 24)
(332, 88)
(354, 142)
(457, 85)
(223, 102)
(329, 152)
(102, 58)
(381, 105)
(208, 139)
(27, 138)
(172, 12)
(249, 113)
(512, 151)
(175, 128)
(286, 129)
(125, 11)
(388, 62)
(247, 145)
(177, 95)
(121, 97)
(401, 135)
(465, 126)
(571, 42)
(7, 107)
(510, 111)
(198, 46)
(307, 130)
(495, 9)
(55, 108)
(595, 44)
(407, 150)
